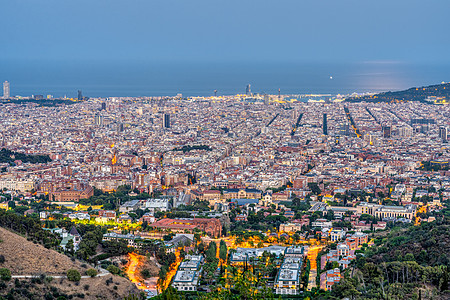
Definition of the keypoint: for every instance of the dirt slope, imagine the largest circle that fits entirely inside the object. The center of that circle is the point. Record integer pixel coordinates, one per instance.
(23, 257)
(26, 258)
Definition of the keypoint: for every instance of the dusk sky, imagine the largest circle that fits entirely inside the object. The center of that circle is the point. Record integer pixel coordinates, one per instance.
(410, 31)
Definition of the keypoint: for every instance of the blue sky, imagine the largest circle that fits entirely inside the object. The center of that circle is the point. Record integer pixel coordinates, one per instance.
(409, 31)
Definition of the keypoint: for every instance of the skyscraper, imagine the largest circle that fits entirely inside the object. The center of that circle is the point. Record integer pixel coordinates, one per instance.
(103, 106)
(6, 92)
(166, 121)
(324, 125)
(266, 99)
(248, 90)
(344, 129)
(386, 132)
(80, 95)
(443, 133)
(98, 119)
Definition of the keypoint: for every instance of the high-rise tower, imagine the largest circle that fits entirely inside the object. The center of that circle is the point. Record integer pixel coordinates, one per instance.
(443, 133)
(80, 95)
(98, 120)
(386, 132)
(325, 125)
(6, 92)
(166, 121)
(248, 90)
(266, 99)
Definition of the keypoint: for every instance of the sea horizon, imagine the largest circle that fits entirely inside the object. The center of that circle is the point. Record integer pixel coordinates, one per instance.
(135, 79)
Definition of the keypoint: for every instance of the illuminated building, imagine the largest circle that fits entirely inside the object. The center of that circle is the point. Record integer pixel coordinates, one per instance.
(242, 193)
(132, 240)
(381, 211)
(21, 185)
(68, 194)
(287, 281)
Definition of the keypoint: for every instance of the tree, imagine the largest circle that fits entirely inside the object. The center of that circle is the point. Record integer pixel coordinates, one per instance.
(116, 247)
(5, 274)
(113, 269)
(223, 250)
(69, 246)
(330, 215)
(168, 237)
(211, 251)
(314, 187)
(344, 289)
(146, 273)
(201, 247)
(73, 275)
(91, 272)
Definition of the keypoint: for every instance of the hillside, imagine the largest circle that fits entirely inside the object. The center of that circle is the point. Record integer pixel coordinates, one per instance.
(27, 258)
(410, 263)
(23, 257)
(412, 94)
(428, 244)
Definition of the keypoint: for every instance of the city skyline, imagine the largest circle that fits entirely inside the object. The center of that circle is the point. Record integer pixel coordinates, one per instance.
(298, 46)
(241, 150)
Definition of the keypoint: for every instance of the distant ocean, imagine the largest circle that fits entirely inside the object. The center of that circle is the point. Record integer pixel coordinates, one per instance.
(102, 79)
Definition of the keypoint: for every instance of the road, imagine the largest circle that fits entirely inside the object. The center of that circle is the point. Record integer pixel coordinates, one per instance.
(131, 270)
(102, 273)
(313, 251)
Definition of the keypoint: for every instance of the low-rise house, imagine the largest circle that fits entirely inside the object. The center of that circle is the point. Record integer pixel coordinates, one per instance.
(105, 216)
(337, 235)
(295, 251)
(130, 206)
(343, 249)
(241, 218)
(67, 236)
(187, 276)
(180, 239)
(287, 281)
(186, 280)
(149, 218)
(332, 277)
(160, 204)
(321, 223)
(132, 240)
(80, 216)
(125, 219)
